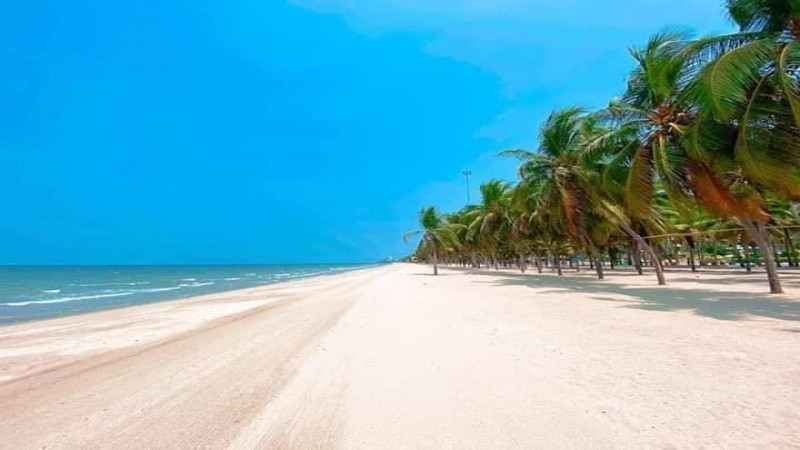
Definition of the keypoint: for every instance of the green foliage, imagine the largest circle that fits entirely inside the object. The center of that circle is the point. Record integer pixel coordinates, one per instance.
(704, 138)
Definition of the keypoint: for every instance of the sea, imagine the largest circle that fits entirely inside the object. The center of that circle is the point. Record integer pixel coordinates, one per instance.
(41, 292)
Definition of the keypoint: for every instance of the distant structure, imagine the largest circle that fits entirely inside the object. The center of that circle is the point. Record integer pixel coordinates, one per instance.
(466, 174)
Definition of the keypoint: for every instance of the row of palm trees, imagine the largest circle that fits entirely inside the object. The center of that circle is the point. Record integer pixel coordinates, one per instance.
(706, 136)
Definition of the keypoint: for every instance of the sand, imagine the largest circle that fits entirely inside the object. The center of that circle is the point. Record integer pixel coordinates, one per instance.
(392, 357)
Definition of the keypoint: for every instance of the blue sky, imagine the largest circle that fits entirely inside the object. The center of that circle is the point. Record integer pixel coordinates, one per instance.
(258, 131)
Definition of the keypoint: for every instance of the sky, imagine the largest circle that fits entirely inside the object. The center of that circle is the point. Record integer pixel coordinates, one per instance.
(264, 131)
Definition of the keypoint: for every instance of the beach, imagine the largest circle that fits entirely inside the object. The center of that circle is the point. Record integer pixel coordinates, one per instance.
(392, 357)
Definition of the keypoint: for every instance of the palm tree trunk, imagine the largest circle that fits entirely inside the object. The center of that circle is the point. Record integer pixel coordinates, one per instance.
(775, 252)
(647, 248)
(758, 233)
(435, 258)
(538, 263)
(657, 252)
(735, 245)
(700, 251)
(557, 263)
(690, 244)
(637, 257)
(598, 266)
(522, 263)
(747, 258)
(787, 242)
(594, 256)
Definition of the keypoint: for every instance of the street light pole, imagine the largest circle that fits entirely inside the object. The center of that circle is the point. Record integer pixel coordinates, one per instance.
(466, 174)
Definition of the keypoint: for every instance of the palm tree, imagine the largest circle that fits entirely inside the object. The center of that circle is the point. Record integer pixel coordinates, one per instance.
(745, 86)
(690, 223)
(561, 171)
(437, 234)
(647, 123)
(487, 218)
(467, 245)
(518, 231)
(785, 214)
(750, 78)
(673, 138)
(541, 228)
(727, 186)
(558, 169)
(645, 137)
(713, 123)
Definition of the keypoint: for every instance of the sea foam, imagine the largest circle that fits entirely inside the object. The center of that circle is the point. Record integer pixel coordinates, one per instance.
(64, 299)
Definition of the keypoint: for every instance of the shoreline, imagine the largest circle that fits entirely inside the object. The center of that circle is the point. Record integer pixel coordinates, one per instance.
(160, 294)
(156, 320)
(391, 356)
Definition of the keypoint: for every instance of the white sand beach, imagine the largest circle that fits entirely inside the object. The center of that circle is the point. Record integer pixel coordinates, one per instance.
(392, 357)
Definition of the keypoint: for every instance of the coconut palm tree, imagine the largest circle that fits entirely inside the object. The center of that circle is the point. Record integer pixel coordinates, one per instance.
(558, 168)
(785, 214)
(540, 229)
(750, 79)
(673, 138)
(713, 122)
(745, 87)
(490, 216)
(561, 171)
(437, 234)
(467, 247)
(690, 223)
(647, 123)
(727, 185)
(519, 236)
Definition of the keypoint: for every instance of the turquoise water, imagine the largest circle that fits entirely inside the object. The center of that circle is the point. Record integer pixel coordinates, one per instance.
(41, 292)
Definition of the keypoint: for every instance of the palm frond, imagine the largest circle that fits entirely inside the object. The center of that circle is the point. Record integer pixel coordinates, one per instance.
(723, 85)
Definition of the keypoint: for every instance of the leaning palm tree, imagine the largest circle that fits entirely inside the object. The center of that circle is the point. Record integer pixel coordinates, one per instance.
(647, 123)
(750, 79)
(558, 169)
(466, 250)
(786, 215)
(688, 145)
(561, 174)
(689, 223)
(490, 216)
(745, 156)
(519, 240)
(745, 87)
(537, 226)
(437, 235)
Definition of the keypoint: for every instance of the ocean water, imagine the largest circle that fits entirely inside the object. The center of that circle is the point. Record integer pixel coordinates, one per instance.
(41, 292)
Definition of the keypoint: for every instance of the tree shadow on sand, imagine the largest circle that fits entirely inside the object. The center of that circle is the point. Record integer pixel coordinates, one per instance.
(714, 303)
(788, 280)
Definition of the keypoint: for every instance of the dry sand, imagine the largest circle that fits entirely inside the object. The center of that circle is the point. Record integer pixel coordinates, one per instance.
(391, 357)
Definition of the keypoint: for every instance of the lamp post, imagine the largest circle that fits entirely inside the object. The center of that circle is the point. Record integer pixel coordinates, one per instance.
(466, 174)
